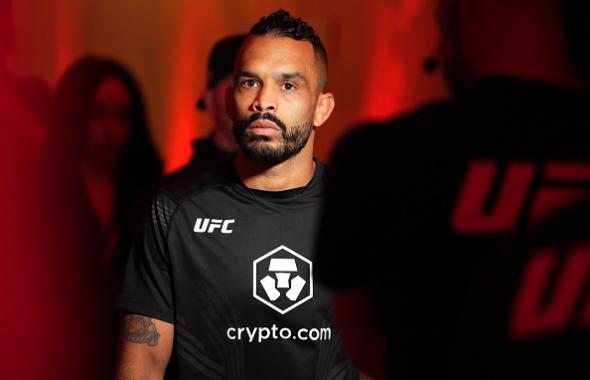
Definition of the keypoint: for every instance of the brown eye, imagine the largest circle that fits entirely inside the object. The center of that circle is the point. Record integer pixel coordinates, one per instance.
(248, 83)
(288, 86)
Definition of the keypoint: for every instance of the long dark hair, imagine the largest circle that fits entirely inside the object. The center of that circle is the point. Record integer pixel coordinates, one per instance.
(138, 166)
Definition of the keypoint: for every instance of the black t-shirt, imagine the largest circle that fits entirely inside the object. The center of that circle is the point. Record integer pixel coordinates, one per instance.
(529, 313)
(231, 268)
(416, 207)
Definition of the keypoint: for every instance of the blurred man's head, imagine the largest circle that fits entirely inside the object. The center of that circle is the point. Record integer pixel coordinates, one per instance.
(517, 38)
(279, 95)
(219, 78)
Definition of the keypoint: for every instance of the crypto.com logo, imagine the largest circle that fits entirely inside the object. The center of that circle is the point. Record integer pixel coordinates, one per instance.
(282, 279)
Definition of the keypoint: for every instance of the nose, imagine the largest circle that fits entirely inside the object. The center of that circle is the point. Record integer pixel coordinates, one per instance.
(265, 100)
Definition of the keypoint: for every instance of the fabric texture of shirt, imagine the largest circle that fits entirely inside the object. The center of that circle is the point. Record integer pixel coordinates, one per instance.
(231, 268)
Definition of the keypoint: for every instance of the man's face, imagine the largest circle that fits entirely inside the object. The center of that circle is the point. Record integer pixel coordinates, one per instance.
(274, 101)
(110, 124)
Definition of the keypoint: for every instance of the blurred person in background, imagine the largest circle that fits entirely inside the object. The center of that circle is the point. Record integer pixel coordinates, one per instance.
(406, 241)
(101, 137)
(540, 280)
(47, 330)
(99, 146)
(220, 146)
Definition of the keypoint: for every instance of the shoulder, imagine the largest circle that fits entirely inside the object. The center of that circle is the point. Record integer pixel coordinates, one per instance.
(189, 186)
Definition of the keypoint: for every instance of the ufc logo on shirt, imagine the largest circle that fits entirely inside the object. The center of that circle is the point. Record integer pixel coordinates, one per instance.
(492, 201)
(206, 225)
(535, 313)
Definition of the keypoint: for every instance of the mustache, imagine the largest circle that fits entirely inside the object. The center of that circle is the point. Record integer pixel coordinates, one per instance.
(266, 116)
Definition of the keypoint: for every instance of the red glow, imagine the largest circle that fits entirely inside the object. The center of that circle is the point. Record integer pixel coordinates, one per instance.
(385, 83)
(182, 120)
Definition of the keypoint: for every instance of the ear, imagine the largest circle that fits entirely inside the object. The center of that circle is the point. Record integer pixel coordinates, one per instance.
(229, 101)
(324, 108)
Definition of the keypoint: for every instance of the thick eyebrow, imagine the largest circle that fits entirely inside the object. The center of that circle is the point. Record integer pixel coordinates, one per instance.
(247, 74)
(296, 76)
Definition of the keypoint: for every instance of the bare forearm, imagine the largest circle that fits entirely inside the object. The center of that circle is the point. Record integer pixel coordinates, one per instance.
(138, 369)
(130, 372)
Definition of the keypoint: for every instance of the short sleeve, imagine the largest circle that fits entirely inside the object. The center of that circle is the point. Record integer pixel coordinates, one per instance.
(146, 287)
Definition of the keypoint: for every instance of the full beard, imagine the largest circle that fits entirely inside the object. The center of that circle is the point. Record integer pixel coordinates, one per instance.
(263, 148)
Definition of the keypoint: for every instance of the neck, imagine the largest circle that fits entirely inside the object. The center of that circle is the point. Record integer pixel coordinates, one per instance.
(295, 172)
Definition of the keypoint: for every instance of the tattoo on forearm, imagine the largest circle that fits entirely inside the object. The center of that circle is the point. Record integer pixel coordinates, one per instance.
(140, 329)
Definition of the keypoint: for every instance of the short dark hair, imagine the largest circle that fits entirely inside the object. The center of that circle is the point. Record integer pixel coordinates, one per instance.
(281, 23)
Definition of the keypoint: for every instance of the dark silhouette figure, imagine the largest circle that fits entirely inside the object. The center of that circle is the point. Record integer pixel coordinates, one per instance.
(219, 148)
(100, 136)
(100, 149)
(411, 242)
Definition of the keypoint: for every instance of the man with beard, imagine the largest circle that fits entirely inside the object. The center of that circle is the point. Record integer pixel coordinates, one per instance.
(418, 293)
(220, 285)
